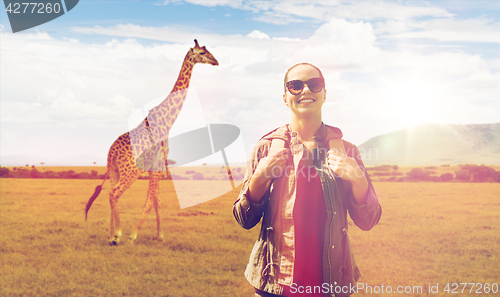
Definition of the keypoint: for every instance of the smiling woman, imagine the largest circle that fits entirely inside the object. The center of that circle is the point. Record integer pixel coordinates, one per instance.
(301, 180)
(413, 103)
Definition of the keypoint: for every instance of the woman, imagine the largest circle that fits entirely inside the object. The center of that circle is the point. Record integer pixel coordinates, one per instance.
(302, 179)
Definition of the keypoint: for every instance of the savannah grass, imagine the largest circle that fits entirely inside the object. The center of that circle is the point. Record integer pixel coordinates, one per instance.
(48, 249)
(429, 233)
(432, 233)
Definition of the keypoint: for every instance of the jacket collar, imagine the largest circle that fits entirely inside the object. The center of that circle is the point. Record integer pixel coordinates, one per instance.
(324, 133)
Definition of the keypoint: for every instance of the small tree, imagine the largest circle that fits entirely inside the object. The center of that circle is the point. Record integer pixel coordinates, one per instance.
(483, 173)
(419, 174)
(34, 173)
(4, 172)
(446, 177)
(83, 175)
(462, 175)
(198, 176)
(497, 177)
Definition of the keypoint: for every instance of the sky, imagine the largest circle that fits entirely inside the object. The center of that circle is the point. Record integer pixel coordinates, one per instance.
(71, 86)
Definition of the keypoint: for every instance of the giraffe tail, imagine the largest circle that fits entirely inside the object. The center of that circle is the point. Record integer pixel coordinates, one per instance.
(96, 193)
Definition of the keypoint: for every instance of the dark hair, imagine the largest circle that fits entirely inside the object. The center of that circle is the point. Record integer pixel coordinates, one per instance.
(309, 64)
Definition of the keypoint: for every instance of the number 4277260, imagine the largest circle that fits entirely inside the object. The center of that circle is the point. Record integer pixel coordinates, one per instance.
(475, 288)
(33, 8)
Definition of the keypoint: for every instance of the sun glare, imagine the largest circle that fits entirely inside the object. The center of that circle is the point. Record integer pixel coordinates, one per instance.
(413, 103)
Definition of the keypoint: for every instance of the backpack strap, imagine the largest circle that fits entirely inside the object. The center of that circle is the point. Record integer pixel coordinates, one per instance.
(276, 145)
(337, 144)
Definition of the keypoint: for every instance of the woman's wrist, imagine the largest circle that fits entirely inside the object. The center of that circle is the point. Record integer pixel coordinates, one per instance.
(257, 187)
(360, 188)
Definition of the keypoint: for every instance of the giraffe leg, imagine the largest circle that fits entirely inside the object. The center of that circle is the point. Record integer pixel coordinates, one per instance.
(154, 179)
(112, 225)
(125, 181)
(157, 204)
(114, 177)
(158, 217)
(116, 231)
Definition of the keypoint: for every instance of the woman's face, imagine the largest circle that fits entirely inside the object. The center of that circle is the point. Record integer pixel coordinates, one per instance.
(306, 103)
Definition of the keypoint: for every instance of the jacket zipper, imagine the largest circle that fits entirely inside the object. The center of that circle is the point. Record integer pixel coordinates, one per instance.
(319, 163)
(329, 235)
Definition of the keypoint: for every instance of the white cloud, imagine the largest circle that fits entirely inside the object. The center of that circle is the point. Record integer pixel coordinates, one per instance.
(210, 3)
(284, 12)
(374, 10)
(50, 81)
(258, 34)
(335, 43)
(67, 81)
(339, 44)
(275, 18)
(468, 30)
(15, 112)
(71, 39)
(394, 20)
(480, 82)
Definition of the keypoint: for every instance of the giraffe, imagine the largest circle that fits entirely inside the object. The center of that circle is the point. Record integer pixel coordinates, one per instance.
(145, 149)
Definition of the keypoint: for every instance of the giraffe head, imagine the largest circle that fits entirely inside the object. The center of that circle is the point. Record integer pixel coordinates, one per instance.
(199, 54)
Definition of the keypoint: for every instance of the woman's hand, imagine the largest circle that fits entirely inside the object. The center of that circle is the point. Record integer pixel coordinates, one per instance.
(272, 166)
(344, 166)
(348, 169)
(269, 167)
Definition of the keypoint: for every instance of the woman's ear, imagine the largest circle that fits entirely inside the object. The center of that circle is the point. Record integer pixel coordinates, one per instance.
(284, 100)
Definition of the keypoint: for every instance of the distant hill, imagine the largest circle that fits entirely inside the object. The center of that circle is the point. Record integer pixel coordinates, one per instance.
(424, 145)
(22, 160)
(81, 160)
(435, 144)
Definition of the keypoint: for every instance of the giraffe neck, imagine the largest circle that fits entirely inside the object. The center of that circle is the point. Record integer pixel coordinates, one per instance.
(161, 118)
(172, 105)
(184, 75)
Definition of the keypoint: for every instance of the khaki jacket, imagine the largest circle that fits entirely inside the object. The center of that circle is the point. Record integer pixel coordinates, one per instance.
(272, 258)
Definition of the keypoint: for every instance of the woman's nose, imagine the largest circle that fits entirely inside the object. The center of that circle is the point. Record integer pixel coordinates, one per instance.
(306, 89)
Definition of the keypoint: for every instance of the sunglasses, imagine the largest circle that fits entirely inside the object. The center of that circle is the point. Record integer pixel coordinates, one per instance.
(296, 87)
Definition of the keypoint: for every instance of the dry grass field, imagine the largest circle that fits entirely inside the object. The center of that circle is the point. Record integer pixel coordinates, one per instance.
(208, 172)
(430, 233)
(433, 170)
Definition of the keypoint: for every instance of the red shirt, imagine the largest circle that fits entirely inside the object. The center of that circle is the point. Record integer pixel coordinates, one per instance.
(309, 219)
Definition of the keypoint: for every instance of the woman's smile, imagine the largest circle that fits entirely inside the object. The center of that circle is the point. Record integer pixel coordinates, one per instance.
(306, 100)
